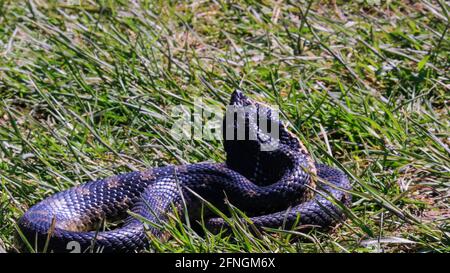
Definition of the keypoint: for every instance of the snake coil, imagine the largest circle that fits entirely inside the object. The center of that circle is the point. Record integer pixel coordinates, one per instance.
(275, 187)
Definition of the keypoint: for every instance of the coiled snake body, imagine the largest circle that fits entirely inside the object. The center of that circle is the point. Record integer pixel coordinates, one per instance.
(278, 187)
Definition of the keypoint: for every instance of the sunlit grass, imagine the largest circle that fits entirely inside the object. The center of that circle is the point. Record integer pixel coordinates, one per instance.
(87, 90)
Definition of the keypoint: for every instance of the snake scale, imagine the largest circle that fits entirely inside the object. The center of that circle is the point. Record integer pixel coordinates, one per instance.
(275, 188)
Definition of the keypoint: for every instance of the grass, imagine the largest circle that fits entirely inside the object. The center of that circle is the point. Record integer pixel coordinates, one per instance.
(87, 88)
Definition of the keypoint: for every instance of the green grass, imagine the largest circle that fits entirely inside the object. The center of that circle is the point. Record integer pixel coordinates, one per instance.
(87, 88)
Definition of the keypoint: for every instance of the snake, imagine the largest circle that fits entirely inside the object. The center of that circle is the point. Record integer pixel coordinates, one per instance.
(270, 177)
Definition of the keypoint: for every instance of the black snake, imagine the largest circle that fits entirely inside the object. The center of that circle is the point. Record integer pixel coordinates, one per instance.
(277, 187)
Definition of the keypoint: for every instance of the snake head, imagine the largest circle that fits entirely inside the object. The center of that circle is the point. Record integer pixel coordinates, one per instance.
(255, 140)
(239, 99)
(252, 122)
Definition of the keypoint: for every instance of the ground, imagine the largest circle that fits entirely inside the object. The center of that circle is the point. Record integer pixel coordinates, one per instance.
(88, 88)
